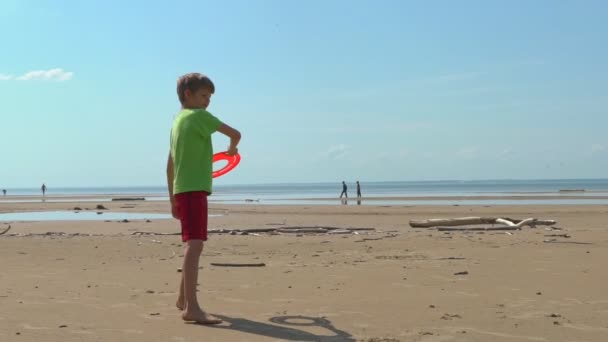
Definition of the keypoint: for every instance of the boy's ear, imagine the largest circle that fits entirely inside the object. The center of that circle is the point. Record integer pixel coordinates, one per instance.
(187, 93)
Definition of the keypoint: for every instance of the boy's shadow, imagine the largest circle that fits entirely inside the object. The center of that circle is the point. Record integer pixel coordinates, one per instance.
(286, 333)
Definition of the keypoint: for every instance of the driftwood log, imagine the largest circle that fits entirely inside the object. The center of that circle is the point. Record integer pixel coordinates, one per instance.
(61, 234)
(154, 233)
(6, 230)
(467, 221)
(302, 230)
(261, 264)
(572, 242)
(474, 229)
(287, 230)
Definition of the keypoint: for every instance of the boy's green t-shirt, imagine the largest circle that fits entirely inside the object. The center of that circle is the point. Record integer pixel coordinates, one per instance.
(192, 150)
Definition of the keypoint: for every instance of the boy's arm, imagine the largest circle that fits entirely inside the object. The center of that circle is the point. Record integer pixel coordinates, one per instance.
(170, 176)
(234, 135)
(170, 184)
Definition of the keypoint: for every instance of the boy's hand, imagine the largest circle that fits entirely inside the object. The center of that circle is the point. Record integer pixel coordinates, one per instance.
(235, 137)
(174, 211)
(232, 151)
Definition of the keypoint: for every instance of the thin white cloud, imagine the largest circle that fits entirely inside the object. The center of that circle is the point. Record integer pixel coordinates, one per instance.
(56, 74)
(597, 148)
(337, 152)
(4, 77)
(506, 153)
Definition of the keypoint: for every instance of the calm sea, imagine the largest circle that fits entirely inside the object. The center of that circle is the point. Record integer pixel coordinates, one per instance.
(307, 193)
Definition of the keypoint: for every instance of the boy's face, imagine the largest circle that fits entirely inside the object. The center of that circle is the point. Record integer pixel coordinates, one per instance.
(198, 99)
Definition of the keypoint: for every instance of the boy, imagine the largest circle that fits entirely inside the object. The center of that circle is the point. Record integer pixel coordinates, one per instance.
(189, 169)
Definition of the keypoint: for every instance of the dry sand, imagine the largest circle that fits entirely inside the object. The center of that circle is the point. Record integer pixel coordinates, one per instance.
(394, 284)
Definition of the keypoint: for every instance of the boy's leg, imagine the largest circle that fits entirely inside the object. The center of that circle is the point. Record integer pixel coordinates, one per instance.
(192, 208)
(192, 254)
(192, 310)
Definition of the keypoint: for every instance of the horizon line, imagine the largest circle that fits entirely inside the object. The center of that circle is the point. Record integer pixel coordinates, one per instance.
(327, 182)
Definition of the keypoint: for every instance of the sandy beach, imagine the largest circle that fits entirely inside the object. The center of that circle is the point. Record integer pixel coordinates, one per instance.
(104, 281)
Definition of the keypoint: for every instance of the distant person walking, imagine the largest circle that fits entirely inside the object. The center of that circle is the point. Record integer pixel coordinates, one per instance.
(344, 190)
(358, 190)
(43, 188)
(4, 191)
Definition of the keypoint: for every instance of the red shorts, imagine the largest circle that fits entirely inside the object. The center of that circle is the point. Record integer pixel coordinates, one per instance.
(192, 210)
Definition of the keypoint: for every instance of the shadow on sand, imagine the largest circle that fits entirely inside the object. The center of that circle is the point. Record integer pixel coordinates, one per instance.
(280, 329)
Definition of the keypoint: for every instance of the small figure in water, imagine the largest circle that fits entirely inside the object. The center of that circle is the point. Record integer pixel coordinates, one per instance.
(43, 188)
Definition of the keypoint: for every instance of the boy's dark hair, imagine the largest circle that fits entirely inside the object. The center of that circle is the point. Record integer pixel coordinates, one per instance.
(193, 82)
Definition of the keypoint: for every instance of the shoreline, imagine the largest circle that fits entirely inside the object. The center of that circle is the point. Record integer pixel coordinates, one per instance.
(120, 198)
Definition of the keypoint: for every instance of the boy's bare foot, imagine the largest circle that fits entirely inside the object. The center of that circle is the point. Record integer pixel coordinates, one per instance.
(201, 317)
(180, 304)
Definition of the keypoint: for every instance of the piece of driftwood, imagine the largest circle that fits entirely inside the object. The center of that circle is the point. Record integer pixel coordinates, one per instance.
(291, 229)
(154, 233)
(6, 230)
(462, 221)
(474, 229)
(259, 230)
(378, 238)
(572, 242)
(62, 234)
(452, 258)
(302, 230)
(237, 264)
(326, 227)
(467, 221)
(287, 230)
(340, 231)
(567, 236)
(370, 239)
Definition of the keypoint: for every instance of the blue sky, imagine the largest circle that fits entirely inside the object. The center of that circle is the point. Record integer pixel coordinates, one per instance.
(321, 90)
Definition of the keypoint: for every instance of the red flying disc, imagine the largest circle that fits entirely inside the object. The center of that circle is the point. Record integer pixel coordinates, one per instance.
(233, 161)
